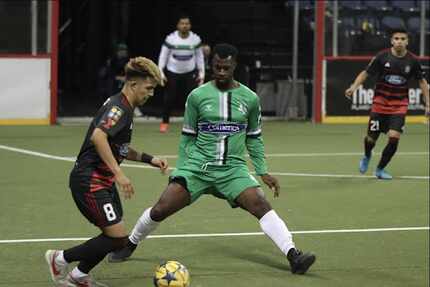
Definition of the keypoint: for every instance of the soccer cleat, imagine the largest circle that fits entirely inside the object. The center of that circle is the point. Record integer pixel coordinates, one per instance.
(364, 164)
(164, 127)
(299, 261)
(58, 272)
(122, 254)
(86, 281)
(380, 173)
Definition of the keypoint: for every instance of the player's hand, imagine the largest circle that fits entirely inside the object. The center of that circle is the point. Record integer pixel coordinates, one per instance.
(160, 163)
(349, 92)
(272, 183)
(124, 184)
(163, 79)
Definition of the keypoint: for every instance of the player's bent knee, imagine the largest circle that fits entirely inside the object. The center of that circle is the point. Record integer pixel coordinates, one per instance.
(115, 231)
(254, 201)
(158, 212)
(262, 208)
(394, 134)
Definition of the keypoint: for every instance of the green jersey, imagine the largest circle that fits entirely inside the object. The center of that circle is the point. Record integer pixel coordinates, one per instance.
(219, 126)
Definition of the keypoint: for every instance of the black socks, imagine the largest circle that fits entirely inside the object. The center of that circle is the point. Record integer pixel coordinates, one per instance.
(91, 252)
(389, 150)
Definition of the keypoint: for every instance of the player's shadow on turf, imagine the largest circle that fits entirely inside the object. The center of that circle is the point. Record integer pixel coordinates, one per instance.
(249, 253)
(265, 258)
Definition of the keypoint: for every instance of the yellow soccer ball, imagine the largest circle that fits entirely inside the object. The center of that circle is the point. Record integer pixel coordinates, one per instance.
(171, 274)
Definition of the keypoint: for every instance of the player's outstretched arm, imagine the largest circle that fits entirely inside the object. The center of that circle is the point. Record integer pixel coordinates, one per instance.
(360, 79)
(272, 183)
(425, 90)
(162, 164)
(99, 139)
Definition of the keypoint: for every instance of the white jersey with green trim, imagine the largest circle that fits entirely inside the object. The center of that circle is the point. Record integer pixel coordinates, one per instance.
(220, 125)
(181, 55)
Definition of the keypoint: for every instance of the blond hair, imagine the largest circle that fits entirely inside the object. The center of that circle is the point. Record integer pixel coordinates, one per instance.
(142, 67)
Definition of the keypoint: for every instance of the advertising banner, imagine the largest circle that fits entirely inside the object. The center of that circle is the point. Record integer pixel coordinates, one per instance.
(24, 91)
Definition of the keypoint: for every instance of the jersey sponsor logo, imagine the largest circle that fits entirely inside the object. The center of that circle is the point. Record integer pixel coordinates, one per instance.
(387, 65)
(182, 57)
(395, 80)
(221, 128)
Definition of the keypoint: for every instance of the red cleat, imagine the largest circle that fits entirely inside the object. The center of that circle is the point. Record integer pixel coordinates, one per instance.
(164, 127)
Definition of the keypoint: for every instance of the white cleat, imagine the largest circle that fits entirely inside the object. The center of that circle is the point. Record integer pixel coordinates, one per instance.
(86, 281)
(58, 272)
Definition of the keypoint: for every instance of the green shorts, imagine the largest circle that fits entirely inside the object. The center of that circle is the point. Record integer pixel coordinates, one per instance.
(220, 181)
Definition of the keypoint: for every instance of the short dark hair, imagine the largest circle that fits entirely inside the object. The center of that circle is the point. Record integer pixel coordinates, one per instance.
(225, 50)
(398, 30)
(183, 16)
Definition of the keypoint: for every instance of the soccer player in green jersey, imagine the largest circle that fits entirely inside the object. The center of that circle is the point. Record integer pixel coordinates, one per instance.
(222, 118)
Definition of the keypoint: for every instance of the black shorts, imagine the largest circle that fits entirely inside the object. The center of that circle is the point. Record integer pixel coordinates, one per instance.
(102, 208)
(385, 122)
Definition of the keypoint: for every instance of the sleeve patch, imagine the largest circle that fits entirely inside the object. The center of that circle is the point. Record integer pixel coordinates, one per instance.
(112, 118)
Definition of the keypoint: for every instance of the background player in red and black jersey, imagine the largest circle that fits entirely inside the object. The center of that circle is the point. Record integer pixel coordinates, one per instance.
(393, 68)
(97, 173)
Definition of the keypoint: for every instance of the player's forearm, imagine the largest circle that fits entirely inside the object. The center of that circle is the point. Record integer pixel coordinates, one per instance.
(359, 80)
(255, 149)
(134, 155)
(99, 139)
(184, 143)
(162, 59)
(200, 62)
(425, 90)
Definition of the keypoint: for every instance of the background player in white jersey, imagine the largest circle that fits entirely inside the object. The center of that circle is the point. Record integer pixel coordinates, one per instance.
(181, 63)
(222, 118)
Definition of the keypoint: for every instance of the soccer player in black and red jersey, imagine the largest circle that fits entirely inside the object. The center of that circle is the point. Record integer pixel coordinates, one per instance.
(393, 68)
(97, 174)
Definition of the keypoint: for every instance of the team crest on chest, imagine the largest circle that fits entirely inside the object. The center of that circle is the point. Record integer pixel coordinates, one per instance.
(407, 69)
(208, 108)
(242, 108)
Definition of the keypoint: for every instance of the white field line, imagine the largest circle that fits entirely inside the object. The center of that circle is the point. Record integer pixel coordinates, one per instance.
(322, 154)
(203, 235)
(72, 159)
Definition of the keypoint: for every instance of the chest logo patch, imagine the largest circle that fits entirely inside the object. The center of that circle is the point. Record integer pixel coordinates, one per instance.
(407, 69)
(387, 65)
(395, 80)
(208, 108)
(243, 108)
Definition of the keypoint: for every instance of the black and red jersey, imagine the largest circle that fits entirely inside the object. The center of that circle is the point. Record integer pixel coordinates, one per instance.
(115, 118)
(392, 78)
